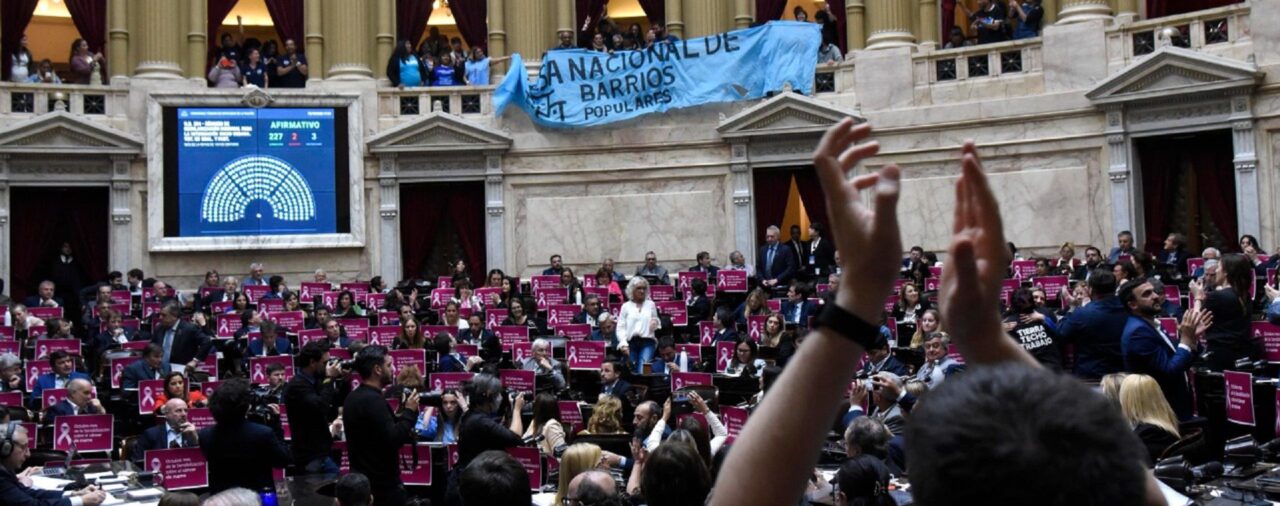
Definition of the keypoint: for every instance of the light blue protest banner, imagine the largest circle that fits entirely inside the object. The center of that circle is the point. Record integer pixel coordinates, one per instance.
(577, 88)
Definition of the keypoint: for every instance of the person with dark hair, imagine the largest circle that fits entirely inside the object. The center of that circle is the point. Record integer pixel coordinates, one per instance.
(746, 360)
(1032, 330)
(699, 306)
(726, 326)
(176, 387)
(240, 453)
(493, 478)
(353, 490)
(405, 69)
(448, 359)
(1126, 270)
(863, 481)
(64, 371)
(1096, 329)
(673, 474)
(880, 358)
(797, 309)
(82, 63)
(482, 430)
(185, 345)
(312, 398)
(1227, 297)
(291, 67)
(271, 343)
(150, 366)
(546, 423)
(15, 489)
(1147, 350)
(819, 252)
(374, 433)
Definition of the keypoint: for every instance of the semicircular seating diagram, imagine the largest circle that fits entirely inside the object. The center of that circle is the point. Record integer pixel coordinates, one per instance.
(257, 177)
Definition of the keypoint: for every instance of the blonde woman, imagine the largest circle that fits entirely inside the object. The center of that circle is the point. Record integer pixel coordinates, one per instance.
(637, 320)
(606, 418)
(755, 305)
(577, 459)
(1146, 409)
(930, 323)
(1111, 387)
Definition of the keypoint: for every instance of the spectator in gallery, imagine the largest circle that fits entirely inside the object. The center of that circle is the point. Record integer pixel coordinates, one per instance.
(254, 70)
(405, 69)
(826, 18)
(21, 64)
(800, 15)
(565, 41)
(291, 68)
(255, 276)
(44, 74)
(598, 45)
(228, 47)
(225, 74)
(435, 43)
(271, 53)
(83, 63)
(455, 50)
(659, 30)
(1029, 14)
(446, 74)
(989, 21)
(476, 69)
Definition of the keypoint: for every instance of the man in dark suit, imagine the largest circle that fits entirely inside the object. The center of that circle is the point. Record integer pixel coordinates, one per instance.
(1097, 328)
(175, 432)
(704, 265)
(591, 311)
(776, 263)
(1174, 256)
(240, 453)
(557, 266)
(271, 344)
(113, 337)
(879, 358)
(64, 370)
(78, 402)
(475, 331)
(45, 297)
(611, 382)
(1092, 261)
(798, 308)
(150, 367)
(15, 447)
(796, 245)
(1147, 350)
(819, 253)
(185, 345)
(312, 397)
(230, 285)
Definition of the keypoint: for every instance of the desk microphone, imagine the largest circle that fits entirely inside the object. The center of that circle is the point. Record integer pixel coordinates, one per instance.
(1206, 472)
(532, 439)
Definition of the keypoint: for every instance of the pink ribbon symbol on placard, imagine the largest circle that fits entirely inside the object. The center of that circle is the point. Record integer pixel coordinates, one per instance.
(439, 385)
(573, 354)
(148, 400)
(155, 465)
(257, 373)
(65, 437)
(724, 358)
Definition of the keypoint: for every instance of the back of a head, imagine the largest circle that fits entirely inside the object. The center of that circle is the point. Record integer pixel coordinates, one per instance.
(864, 481)
(1102, 283)
(172, 498)
(1142, 401)
(675, 475)
(494, 478)
(353, 490)
(233, 497)
(1014, 434)
(867, 436)
(230, 401)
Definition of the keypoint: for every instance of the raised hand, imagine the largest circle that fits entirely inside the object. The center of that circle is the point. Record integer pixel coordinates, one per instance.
(869, 234)
(969, 297)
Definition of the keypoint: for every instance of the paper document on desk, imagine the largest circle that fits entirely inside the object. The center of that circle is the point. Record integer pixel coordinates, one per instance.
(46, 483)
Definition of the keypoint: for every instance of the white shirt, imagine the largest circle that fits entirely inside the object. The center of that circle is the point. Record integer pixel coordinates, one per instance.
(635, 319)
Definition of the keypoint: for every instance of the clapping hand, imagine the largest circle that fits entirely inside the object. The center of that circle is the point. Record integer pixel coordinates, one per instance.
(1194, 324)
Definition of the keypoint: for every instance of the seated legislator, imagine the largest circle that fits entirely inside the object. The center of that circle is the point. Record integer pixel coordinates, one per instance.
(150, 367)
(15, 489)
(175, 432)
(63, 372)
(78, 402)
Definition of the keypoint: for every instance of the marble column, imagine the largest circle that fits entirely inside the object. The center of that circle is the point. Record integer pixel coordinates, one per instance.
(495, 231)
(497, 37)
(118, 39)
(740, 198)
(389, 260)
(1074, 11)
(742, 17)
(313, 28)
(1118, 171)
(1123, 7)
(705, 17)
(530, 29)
(565, 20)
(855, 24)
(675, 19)
(6, 245)
(929, 22)
(197, 39)
(1245, 159)
(385, 36)
(1050, 13)
(347, 24)
(889, 24)
(120, 238)
(161, 40)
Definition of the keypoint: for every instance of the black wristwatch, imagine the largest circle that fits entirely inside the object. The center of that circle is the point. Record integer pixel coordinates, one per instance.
(847, 325)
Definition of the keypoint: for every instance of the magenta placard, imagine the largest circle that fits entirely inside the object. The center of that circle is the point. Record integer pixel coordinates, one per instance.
(308, 291)
(432, 330)
(1239, 387)
(930, 285)
(734, 419)
(35, 368)
(774, 305)
(706, 332)
(681, 379)
(520, 351)
(518, 380)
(724, 355)
(209, 387)
(493, 318)
(375, 300)
(227, 325)
(1173, 294)
(1053, 285)
(548, 297)
(269, 306)
(330, 299)
(284, 422)
(258, 368)
(388, 318)
(684, 280)
(6, 333)
(449, 380)
(46, 346)
(585, 355)
(121, 297)
(444, 282)
(179, 468)
(694, 351)
(89, 433)
(255, 292)
(1023, 269)
(574, 331)
(12, 399)
(1007, 287)
(755, 327)
(1277, 411)
(561, 314)
(661, 293)
(510, 335)
(540, 282)
(889, 302)
(1170, 328)
(732, 281)
(9, 346)
(676, 309)
(404, 358)
(487, 293)
(1269, 335)
(531, 460)
(467, 350)
(357, 328)
(344, 459)
(420, 474)
(384, 334)
(45, 313)
(307, 335)
(292, 321)
(440, 297)
(220, 307)
(200, 417)
(571, 416)
(147, 392)
(1194, 264)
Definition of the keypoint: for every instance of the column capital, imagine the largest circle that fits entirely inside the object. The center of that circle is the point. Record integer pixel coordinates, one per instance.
(1075, 11)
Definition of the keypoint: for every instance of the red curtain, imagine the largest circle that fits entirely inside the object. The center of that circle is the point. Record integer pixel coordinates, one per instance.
(287, 16)
(1209, 155)
(15, 15)
(842, 31)
(655, 10)
(1158, 8)
(39, 228)
(90, 18)
(592, 8)
(215, 12)
(1159, 169)
(770, 197)
(1215, 177)
(425, 207)
(769, 10)
(949, 20)
(411, 19)
(473, 22)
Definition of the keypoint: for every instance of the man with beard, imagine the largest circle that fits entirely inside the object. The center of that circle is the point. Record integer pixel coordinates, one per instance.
(374, 433)
(1148, 351)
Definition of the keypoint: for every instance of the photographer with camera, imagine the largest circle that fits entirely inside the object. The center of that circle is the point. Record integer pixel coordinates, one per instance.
(482, 428)
(264, 400)
(374, 433)
(312, 398)
(241, 453)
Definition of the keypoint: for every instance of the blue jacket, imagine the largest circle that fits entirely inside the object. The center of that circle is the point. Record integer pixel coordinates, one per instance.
(1147, 351)
(1273, 312)
(807, 309)
(283, 347)
(12, 493)
(47, 380)
(138, 371)
(1096, 330)
(784, 263)
(64, 408)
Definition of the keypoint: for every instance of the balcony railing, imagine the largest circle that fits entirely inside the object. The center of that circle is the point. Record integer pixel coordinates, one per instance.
(31, 99)
(1210, 29)
(976, 62)
(456, 100)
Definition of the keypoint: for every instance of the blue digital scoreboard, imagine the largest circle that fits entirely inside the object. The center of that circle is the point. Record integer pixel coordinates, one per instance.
(251, 172)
